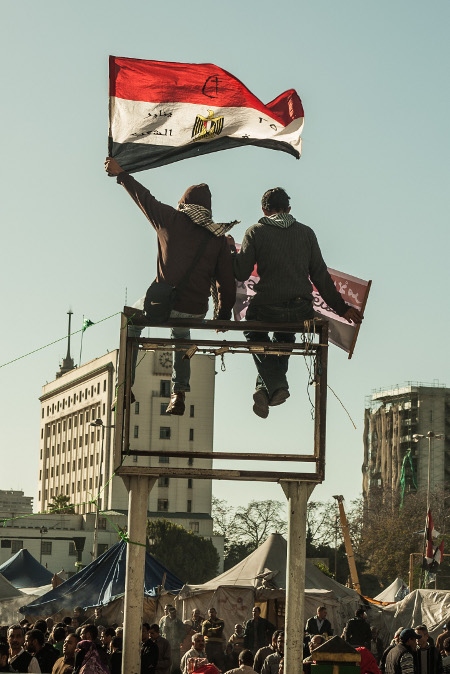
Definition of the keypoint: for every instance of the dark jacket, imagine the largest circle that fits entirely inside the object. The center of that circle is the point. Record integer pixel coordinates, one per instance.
(434, 661)
(358, 632)
(47, 657)
(311, 627)
(257, 633)
(149, 657)
(395, 657)
(289, 260)
(179, 238)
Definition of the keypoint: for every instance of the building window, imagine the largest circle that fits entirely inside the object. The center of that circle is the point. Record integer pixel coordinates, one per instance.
(42, 412)
(72, 549)
(164, 388)
(190, 483)
(102, 522)
(164, 459)
(163, 505)
(91, 460)
(191, 461)
(5, 543)
(136, 407)
(163, 481)
(191, 411)
(163, 407)
(191, 434)
(101, 548)
(164, 433)
(46, 547)
(104, 385)
(90, 483)
(189, 506)
(80, 441)
(16, 546)
(136, 432)
(194, 527)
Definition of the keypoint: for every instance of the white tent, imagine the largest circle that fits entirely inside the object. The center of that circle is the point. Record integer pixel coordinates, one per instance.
(395, 592)
(261, 578)
(429, 607)
(10, 600)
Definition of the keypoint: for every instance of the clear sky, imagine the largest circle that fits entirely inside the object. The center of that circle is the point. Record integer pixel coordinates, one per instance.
(373, 182)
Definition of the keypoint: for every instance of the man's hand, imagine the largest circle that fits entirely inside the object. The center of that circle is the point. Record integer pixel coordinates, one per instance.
(353, 315)
(112, 167)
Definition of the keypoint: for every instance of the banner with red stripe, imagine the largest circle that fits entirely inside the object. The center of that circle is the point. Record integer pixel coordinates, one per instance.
(162, 112)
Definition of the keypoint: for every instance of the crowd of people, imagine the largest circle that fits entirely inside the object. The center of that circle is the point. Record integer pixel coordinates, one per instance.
(82, 644)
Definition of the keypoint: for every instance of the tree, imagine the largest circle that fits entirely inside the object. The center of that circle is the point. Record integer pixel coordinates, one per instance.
(61, 504)
(192, 558)
(245, 528)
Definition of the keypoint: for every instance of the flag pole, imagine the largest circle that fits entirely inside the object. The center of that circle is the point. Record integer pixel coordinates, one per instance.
(81, 343)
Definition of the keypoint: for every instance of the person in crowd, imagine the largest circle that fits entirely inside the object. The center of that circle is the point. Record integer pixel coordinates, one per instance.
(149, 651)
(395, 641)
(108, 635)
(116, 656)
(428, 658)
(164, 663)
(89, 632)
(319, 624)
(87, 659)
(263, 652)
(66, 663)
(174, 630)
(237, 642)
(315, 641)
(4, 655)
(271, 663)
(446, 656)
(195, 622)
(19, 658)
(197, 651)
(245, 662)
(401, 658)
(45, 653)
(79, 614)
(357, 630)
(445, 634)
(368, 663)
(57, 639)
(212, 630)
(376, 645)
(257, 631)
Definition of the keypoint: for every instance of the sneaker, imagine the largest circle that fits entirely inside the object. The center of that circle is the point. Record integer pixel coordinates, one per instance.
(279, 397)
(261, 403)
(176, 405)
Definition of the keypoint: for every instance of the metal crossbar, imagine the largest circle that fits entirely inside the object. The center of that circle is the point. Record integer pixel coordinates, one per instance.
(314, 343)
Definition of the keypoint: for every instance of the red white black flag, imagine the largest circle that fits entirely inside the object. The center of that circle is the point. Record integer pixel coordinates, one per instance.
(162, 112)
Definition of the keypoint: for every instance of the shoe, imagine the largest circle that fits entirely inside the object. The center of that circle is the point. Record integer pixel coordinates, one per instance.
(261, 403)
(279, 397)
(176, 405)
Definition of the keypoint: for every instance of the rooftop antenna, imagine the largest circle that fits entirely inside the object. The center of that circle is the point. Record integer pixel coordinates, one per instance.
(67, 364)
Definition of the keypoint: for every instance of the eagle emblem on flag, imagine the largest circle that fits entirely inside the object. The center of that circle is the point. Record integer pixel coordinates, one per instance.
(207, 127)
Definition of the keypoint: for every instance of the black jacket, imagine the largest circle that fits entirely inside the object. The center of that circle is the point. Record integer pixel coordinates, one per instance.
(311, 627)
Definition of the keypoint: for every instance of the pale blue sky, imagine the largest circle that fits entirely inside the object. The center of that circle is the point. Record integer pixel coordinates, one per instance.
(373, 182)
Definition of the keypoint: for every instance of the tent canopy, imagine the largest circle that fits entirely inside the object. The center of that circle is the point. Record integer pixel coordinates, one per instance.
(102, 581)
(394, 592)
(7, 589)
(261, 577)
(23, 570)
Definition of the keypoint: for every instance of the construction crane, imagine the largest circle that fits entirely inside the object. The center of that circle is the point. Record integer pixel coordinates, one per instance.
(348, 545)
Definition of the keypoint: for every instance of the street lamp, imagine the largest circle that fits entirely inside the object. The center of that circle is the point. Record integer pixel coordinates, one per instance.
(430, 435)
(98, 423)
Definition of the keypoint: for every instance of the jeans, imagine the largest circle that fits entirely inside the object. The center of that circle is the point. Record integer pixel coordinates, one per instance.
(181, 370)
(272, 370)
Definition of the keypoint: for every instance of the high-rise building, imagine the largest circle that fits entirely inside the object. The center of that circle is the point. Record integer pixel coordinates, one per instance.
(396, 461)
(77, 433)
(13, 502)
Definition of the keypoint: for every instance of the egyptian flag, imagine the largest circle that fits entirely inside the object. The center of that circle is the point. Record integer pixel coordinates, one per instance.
(162, 112)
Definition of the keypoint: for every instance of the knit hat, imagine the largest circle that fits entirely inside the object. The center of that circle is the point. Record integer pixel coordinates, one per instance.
(197, 194)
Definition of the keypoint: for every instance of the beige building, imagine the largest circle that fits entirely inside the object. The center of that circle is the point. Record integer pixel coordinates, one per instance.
(391, 455)
(12, 501)
(76, 450)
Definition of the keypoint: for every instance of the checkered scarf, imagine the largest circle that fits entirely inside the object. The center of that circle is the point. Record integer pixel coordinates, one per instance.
(203, 217)
(282, 220)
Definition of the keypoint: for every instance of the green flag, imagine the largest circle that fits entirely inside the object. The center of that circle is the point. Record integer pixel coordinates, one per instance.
(87, 324)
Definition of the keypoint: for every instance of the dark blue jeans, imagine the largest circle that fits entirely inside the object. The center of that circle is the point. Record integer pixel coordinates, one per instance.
(272, 370)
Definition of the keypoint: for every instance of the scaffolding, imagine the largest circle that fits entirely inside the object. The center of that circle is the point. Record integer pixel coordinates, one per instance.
(297, 486)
